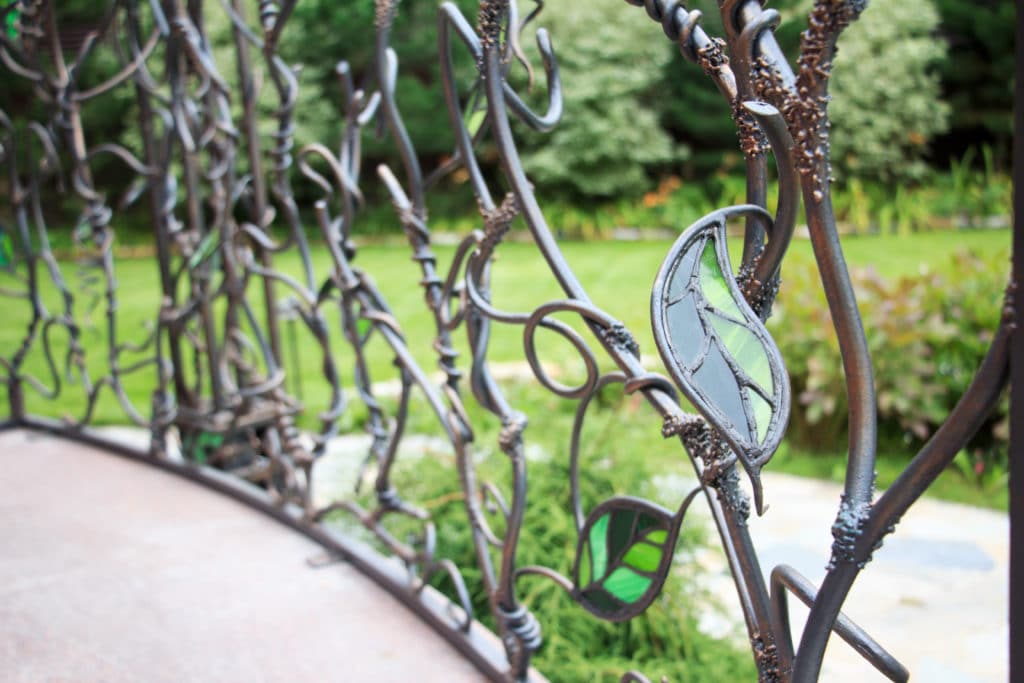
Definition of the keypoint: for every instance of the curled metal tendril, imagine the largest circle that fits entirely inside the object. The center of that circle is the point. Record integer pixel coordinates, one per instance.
(223, 382)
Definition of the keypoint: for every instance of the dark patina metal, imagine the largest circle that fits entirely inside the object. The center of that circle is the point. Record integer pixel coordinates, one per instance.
(216, 357)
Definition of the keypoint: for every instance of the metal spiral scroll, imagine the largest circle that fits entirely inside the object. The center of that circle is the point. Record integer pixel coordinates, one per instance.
(220, 369)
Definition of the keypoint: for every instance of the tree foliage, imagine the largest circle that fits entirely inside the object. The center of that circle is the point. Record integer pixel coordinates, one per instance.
(636, 111)
(319, 34)
(886, 103)
(610, 139)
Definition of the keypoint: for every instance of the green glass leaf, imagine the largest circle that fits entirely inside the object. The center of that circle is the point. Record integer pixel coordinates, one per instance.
(598, 543)
(623, 556)
(599, 601)
(6, 250)
(584, 570)
(12, 23)
(643, 556)
(200, 446)
(206, 247)
(645, 522)
(716, 347)
(713, 283)
(762, 413)
(657, 536)
(474, 119)
(746, 349)
(627, 585)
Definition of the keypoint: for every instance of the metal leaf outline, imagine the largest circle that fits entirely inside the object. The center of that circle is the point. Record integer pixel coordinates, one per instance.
(623, 555)
(725, 327)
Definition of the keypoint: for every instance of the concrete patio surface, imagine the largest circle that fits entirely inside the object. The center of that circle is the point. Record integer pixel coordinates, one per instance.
(118, 572)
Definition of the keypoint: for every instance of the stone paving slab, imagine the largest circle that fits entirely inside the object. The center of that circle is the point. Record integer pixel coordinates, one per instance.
(936, 594)
(115, 571)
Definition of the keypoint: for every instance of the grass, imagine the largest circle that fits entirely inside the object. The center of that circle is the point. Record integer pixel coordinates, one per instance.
(617, 276)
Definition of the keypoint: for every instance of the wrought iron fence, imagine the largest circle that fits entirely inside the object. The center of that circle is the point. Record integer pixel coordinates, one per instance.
(223, 211)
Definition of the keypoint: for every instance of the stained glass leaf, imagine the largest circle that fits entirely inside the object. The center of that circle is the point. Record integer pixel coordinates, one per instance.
(200, 446)
(622, 557)
(474, 119)
(746, 348)
(12, 23)
(713, 284)
(715, 346)
(6, 250)
(206, 247)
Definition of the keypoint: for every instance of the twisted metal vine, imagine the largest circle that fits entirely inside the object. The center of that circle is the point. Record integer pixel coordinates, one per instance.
(217, 361)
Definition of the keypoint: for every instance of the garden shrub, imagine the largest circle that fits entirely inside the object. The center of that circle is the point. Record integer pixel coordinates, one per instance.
(622, 454)
(927, 335)
(889, 55)
(609, 139)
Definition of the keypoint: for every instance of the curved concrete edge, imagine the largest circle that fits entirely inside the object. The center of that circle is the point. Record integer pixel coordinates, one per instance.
(478, 644)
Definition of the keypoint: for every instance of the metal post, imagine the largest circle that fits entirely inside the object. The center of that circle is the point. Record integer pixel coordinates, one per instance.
(1016, 446)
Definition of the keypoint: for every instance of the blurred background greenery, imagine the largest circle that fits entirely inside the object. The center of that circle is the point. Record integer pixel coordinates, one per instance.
(922, 99)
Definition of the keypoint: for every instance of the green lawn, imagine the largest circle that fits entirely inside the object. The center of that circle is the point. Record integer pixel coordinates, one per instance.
(617, 275)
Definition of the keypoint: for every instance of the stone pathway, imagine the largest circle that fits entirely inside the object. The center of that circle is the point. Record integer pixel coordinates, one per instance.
(935, 595)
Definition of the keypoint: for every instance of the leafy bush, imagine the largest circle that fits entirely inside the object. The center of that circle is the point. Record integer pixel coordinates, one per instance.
(927, 335)
(610, 137)
(888, 56)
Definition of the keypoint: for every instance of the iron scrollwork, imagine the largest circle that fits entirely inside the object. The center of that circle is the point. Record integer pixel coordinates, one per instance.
(222, 218)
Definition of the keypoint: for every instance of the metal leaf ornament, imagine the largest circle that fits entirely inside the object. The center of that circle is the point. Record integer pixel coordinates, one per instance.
(622, 557)
(715, 346)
